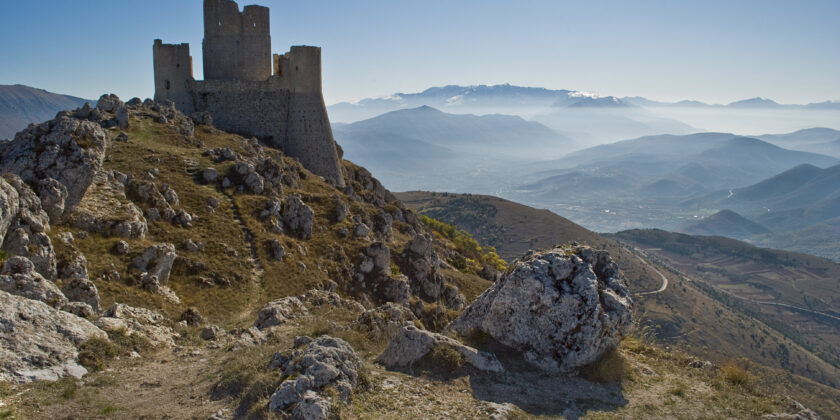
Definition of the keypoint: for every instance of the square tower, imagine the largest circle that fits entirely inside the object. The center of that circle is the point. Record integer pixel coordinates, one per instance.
(237, 45)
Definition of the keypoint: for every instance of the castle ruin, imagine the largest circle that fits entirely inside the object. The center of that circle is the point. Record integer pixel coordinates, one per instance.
(246, 90)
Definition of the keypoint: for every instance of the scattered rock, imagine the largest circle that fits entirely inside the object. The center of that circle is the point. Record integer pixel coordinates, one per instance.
(563, 308)
(80, 289)
(122, 248)
(412, 344)
(212, 332)
(385, 321)
(297, 217)
(38, 342)
(192, 317)
(210, 175)
(341, 209)
(279, 312)
(156, 261)
(145, 322)
(316, 364)
(276, 252)
(360, 230)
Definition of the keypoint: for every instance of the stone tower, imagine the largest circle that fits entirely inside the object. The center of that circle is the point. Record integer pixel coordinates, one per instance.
(248, 91)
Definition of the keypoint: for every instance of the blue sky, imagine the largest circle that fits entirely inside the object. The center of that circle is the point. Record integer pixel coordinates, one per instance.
(714, 51)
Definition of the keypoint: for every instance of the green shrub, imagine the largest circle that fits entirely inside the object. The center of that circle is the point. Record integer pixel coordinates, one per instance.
(95, 352)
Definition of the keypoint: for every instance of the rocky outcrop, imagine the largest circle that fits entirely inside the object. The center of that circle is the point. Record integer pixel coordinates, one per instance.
(38, 342)
(562, 308)
(412, 344)
(19, 277)
(84, 291)
(312, 366)
(65, 149)
(104, 209)
(374, 276)
(147, 323)
(24, 230)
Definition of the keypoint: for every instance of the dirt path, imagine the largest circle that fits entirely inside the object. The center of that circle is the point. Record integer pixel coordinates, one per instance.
(172, 383)
(249, 238)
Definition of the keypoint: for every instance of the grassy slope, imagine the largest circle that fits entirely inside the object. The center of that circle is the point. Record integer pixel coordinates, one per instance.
(513, 229)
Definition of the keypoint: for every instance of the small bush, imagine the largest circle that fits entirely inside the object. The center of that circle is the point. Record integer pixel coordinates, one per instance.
(446, 358)
(736, 374)
(95, 352)
(395, 269)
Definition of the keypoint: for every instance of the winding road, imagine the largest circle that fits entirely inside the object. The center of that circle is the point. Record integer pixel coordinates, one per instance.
(661, 288)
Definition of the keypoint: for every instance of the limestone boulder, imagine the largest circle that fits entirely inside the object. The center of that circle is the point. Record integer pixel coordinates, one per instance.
(82, 290)
(313, 365)
(109, 103)
(156, 261)
(562, 308)
(412, 344)
(297, 217)
(38, 342)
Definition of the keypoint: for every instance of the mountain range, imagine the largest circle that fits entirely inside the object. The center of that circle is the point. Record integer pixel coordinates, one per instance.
(22, 105)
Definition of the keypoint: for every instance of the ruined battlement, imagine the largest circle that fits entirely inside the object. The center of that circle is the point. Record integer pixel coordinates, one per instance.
(276, 98)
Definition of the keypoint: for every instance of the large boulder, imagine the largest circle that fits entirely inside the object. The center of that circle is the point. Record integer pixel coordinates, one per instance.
(412, 344)
(65, 149)
(19, 277)
(38, 342)
(562, 308)
(385, 321)
(311, 366)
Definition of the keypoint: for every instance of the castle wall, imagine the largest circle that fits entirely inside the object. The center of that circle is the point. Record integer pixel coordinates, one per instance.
(173, 74)
(237, 46)
(285, 110)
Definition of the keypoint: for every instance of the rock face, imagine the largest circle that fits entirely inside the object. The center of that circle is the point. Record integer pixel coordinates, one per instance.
(24, 226)
(19, 277)
(104, 209)
(374, 275)
(317, 363)
(412, 344)
(563, 308)
(65, 149)
(38, 342)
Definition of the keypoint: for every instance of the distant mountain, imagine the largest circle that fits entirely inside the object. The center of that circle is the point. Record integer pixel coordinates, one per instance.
(817, 140)
(21, 105)
(725, 223)
(411, 146)
(754, 103)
